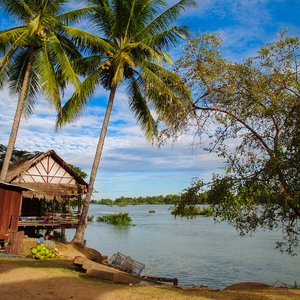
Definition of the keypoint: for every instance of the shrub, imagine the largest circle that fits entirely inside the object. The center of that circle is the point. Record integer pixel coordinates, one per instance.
(207, 212)
(90, 218)
(115, 219)
(193, 211)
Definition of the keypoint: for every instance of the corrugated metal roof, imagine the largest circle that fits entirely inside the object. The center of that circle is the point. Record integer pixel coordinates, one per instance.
(14, 187)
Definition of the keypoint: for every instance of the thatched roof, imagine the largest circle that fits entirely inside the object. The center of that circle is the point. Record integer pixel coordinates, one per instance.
(48, 175)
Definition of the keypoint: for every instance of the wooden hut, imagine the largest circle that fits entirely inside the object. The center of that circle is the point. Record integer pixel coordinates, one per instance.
(10, 204)
(54, 184)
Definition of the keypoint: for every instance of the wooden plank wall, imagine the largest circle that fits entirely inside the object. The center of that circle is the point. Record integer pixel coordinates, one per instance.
(15, 242)
(9, 212)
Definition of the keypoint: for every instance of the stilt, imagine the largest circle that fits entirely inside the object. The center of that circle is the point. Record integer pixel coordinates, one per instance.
(63, 234)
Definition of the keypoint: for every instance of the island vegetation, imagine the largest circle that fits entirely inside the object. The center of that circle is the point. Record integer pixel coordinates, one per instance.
(115, 219)
(149, 200)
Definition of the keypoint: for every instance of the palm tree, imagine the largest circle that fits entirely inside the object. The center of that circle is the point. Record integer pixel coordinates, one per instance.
(38, 55)
(136, 34)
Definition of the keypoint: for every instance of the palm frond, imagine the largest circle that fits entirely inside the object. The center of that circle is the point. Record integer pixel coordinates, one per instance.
(120, 59)
(131, 17)
(33, 89)
(168, 38)
(16, 75)
(64, 64)
(14, 8)
(87, 65)
(166, 18)
(169, 78)
(75, 15)
(47, 78)
(34, 25)
(19, 41)
(141, 111)
(141, 51)
(121, 15)
(72, 52)
(78, 100)
(102, 18)
(4, 74)
(168, 94)
(86, 40)
(9, 36)
(26, 8)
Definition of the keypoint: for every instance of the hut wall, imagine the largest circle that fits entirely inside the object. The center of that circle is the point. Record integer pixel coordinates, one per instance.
(9, 212)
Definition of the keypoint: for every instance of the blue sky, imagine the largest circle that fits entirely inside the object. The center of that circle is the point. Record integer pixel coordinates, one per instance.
(130, 166)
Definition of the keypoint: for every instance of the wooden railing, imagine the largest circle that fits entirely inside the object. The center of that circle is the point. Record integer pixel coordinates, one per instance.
(54, 220)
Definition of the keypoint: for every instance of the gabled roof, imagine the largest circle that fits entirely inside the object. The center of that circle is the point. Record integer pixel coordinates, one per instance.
(49, 175)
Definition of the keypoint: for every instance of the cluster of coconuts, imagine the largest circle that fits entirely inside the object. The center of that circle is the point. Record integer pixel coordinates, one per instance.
(42, 252)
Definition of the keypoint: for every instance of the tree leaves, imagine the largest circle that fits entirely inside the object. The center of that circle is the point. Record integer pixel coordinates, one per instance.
(252, 106)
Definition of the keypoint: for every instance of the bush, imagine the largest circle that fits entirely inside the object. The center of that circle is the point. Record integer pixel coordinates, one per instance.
(115, 219)
(192, 211)
(151, 211)
(90, 218)
(207, 212)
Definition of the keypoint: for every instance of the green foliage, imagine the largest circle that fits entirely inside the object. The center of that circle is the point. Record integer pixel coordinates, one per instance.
(207, 212)
(17, 155)
(151, 211)
(81, 173)
(192, 211)
(148, 200)
(43, 38)
(189, 211)
(186, 206)
(130, 50)
(90, 218)
(254, 110)
(103, 202)
(115, 219)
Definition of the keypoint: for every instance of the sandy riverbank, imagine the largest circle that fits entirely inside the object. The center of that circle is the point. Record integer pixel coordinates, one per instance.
(23, 279)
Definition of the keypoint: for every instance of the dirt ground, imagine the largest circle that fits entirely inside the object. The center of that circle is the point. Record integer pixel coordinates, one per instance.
(25, 278)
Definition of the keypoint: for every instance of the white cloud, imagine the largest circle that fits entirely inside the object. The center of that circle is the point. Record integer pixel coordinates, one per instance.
(130, 165)
(127, 157)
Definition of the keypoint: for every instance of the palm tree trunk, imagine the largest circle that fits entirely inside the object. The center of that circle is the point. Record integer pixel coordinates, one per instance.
(16, 122)
(80, 230)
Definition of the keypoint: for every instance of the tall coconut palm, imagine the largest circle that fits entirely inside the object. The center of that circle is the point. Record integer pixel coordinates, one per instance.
(138, 32)
(38, 55)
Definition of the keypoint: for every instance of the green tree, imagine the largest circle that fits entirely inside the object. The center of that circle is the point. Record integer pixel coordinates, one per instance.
(17, 155)
(79, 171)
(38, 56)
(136, 34)
(252, 113)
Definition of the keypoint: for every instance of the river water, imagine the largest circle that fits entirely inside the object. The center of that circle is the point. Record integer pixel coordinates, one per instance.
(195, 251)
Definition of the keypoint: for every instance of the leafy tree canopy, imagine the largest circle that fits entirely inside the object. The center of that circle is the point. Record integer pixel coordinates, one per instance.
(251, 112)
(17, 155)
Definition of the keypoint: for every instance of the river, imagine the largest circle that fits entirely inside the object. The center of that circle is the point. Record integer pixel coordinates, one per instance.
(197, 251)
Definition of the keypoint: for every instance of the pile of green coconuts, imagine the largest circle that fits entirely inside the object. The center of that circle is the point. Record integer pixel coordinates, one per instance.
(42, 251)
